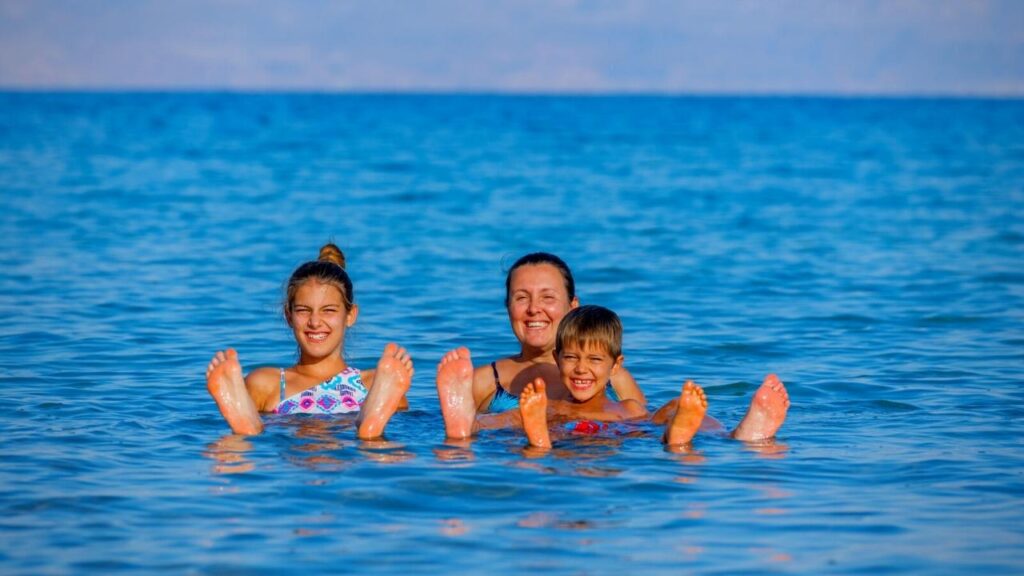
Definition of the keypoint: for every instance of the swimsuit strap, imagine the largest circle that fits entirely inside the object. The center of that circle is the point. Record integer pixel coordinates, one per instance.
(497, 383)
(282, 387)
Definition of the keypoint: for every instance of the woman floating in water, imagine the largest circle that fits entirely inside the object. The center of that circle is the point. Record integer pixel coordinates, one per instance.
(588, 351)
(319, 307)
(539, 291)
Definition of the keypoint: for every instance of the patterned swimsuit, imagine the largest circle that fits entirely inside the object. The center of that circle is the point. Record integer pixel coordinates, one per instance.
(344, 393)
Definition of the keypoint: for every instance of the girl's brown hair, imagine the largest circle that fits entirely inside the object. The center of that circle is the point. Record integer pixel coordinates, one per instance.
(329, 268)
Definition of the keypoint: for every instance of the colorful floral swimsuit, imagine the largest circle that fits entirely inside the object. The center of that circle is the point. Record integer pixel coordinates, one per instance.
(341, 394)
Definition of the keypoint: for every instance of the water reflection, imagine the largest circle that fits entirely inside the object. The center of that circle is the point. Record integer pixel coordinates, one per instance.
(452, 527)
(554, 520)
(312, 443)
(228, 454)
(384, 451)
(769, 448)
(455, 451)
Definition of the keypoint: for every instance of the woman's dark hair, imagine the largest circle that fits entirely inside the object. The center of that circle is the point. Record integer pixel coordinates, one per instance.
(536, 258)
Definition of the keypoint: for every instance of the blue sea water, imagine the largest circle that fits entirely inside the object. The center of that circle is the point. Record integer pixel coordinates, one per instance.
(869, 251)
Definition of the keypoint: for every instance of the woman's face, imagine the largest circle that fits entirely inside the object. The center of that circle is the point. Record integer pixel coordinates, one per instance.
(537, 301)
(319, 319)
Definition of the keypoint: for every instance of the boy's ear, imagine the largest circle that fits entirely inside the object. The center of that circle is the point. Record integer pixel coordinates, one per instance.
(618, 363)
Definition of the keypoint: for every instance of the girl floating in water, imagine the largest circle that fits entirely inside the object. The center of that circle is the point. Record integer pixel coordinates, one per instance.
(319, 307)
(588, 351)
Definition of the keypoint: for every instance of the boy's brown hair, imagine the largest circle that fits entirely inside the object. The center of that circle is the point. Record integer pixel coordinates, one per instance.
(594, 325)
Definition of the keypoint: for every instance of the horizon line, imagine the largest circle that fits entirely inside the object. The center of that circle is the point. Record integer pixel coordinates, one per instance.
(653, 93)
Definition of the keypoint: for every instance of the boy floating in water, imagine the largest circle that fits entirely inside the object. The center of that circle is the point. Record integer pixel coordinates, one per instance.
(588, 350)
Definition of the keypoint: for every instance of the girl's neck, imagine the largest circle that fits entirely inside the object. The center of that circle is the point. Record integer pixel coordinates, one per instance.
(320, 368)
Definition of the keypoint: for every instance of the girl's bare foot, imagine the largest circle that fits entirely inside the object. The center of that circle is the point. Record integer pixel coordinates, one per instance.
(767, 411)
(455, 392)
(226, 385)
(533, 407)
(692, 406)
(390, 383)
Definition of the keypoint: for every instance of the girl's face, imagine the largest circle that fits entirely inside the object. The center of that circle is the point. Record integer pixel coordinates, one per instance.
(537, 301)
(319, 319)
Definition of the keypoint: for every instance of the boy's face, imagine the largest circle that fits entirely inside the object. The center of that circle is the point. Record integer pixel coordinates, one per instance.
(586, 370)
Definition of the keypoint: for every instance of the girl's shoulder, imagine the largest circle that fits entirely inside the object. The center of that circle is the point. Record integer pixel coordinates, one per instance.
(264, 385)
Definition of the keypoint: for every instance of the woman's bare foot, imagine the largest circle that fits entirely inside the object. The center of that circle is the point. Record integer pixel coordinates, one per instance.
(767, 412)
(226, 385)
(692, 406)
(390, 383)
(455, 392)
(533, 407)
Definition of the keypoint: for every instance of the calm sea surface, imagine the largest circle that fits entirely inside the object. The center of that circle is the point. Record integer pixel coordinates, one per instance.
(870, 252)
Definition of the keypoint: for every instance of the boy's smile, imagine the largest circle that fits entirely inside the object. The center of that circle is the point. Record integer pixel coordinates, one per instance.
(587, 369)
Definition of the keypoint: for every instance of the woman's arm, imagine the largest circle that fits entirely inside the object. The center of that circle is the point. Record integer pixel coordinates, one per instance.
(483, 387)
(626, 387)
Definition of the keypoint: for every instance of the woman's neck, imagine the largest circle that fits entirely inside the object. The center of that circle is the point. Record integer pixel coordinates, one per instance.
(535, 356)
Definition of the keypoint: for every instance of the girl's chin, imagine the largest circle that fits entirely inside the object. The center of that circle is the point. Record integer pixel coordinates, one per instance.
(319, 349)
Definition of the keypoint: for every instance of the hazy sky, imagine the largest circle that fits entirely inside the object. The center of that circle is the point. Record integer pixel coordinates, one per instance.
(713, 46)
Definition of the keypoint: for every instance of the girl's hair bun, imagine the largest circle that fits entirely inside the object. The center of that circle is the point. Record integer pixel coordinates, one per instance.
(331, 253)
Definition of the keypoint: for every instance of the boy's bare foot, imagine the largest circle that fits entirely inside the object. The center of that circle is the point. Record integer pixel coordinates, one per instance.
(533, 407)
(692, 406)
(767, 411)
(455, 392)
(390, 383)
(226, 385)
